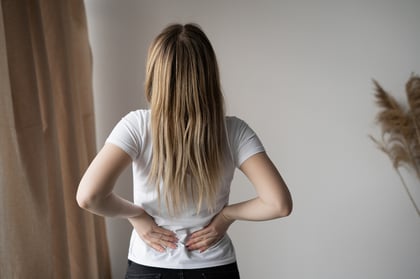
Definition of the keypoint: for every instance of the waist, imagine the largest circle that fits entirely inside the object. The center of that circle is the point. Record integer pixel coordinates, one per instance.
(221, 253)
(136, 268)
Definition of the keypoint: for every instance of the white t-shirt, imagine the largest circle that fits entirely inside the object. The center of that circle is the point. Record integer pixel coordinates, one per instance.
(133, 135)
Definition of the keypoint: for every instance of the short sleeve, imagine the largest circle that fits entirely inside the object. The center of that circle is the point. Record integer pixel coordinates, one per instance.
(244, 142)
(126, 134)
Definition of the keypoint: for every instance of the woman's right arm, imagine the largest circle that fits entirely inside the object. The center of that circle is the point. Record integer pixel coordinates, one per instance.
(273, 197)
(273, 200)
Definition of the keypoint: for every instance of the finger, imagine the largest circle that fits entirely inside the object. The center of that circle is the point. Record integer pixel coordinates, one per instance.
(201, 241)
(155, 245)
(203, 245)
(165, 240)
(162, 240)
(198, 236)
(200, 233)
(167, 243)
(164, 234)
(167, 236)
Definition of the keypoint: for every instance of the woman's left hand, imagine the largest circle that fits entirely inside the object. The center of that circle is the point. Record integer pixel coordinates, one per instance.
(156, 237)
(203, 239)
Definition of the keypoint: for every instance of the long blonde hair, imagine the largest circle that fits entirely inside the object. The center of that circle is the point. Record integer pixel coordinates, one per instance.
(187, 117)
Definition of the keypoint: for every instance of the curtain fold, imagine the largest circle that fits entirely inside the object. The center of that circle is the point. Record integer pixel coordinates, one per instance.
(47, 139)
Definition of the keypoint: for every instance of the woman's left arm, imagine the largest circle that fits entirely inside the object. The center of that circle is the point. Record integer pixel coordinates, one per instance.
(95, 192)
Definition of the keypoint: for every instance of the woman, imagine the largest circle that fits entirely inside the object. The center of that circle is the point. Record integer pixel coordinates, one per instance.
(183, 151)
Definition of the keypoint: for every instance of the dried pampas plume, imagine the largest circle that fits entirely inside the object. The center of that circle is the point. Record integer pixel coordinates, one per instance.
(400, 129)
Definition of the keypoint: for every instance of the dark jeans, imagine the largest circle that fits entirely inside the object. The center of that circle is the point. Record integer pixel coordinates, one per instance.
(137, 271)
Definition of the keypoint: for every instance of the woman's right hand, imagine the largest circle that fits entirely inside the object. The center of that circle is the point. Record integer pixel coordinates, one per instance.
(156, 237)
(208, 236)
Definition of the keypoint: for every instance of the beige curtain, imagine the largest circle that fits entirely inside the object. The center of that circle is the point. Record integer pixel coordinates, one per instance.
(46, 142)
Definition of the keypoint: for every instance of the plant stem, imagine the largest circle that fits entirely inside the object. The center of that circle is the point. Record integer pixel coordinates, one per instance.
(408, 192)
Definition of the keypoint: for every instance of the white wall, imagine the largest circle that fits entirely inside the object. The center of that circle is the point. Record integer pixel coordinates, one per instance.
(299, 72)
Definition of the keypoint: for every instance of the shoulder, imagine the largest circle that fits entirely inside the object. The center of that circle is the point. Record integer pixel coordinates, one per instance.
(135, 123)
(243, 141)
(238, 130)
(130, 131)
(234, 122)
(236, 125)
(137, 118)
(140, 114)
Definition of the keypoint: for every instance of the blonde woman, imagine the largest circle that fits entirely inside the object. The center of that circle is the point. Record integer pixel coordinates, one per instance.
(184, 152)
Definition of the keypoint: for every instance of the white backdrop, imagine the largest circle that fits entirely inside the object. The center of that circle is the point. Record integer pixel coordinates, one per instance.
(299, 72)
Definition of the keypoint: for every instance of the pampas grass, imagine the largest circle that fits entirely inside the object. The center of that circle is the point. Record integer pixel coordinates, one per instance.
(400, 128)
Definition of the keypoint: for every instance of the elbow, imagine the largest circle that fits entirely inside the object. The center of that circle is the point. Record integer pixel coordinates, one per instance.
(284, 209)
(84, 200)
(286, 205)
